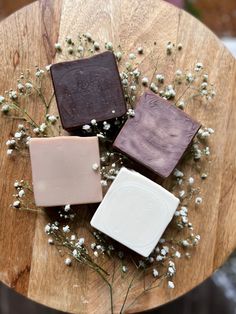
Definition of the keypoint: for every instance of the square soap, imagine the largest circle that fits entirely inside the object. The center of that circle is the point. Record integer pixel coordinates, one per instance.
(135, 211)
(88, 89)
(158, 135)
(62, 170)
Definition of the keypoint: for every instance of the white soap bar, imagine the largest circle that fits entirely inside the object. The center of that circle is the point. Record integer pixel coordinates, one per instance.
(135, 211)
(65, 170)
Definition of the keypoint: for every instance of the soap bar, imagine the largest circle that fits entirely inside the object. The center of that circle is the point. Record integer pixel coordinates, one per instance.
(62, 170)
(158, 135)
(135, 211)
(88, 89)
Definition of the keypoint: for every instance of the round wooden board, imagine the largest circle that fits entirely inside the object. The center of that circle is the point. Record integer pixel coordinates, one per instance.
(27, 263)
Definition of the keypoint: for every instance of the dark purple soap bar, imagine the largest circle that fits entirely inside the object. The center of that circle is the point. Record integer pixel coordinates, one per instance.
(88, 89)
(158, 135)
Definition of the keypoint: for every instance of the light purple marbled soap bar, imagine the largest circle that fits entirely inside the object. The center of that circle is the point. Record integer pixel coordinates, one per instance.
(158, 135)
(62, 170)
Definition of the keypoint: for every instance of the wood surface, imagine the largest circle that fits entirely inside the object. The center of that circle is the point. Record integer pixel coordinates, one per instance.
(27, 263)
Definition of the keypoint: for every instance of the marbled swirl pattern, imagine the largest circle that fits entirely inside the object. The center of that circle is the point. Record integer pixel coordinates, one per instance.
(158, 135)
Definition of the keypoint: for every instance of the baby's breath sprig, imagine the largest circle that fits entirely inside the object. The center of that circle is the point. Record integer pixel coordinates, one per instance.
(16, 105)
(23, 197)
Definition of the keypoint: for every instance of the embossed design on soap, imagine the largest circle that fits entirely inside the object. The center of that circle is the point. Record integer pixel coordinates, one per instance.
(158, 135)
(88, 89)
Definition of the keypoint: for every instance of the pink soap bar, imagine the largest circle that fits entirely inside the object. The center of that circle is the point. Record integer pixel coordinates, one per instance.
(64, 170)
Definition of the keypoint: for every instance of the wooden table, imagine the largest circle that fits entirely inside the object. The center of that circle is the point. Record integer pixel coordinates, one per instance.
(27, 263)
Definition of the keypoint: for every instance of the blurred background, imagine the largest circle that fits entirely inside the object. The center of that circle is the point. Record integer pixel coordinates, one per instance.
(217, 295)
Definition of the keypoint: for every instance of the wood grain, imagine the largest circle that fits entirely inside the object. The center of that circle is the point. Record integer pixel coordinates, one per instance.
(27, 263)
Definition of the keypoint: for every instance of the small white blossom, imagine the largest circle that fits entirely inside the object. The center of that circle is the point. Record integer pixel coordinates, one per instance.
(124, 269)
(58, 46)
(159, 258)
(169, 92)
(13, 94)
(171, 284)
(5, 108)
(18, 135)
(181, 104)
(16, 204)
(118, 55)
(190, 180)
(52, 119)
(109, 46)
(106, 126)
(70, 50)
(181, 194)
(170, 271)
(153, 87)
(73, 237)
(189, 77)
(178, 174)
(169, 48)
(50, 241)
(178, 73)
(207, 151)
(103, 183)
(151, 259)
(198, 66)
(2, 99)
(132, 56)
(140, 50)
(81, 241)
(66, 229)
(93, 245)
(163, 252)
(9, 151)
(75, 253)
(183, 211)
(95, 253)
(155, 273)
(180, 46)
(95, 166)
(67, 208)
(177, 254)
(28, 85)
(42, 127)
(88, 36)
(185, 243)
(136, 73)
(131, 112)
(47, 67)
(145, 81)
(198, 200)
(96, 45)
(68, 261)
(36, 131)
(160, 78)
(39, 73)
(17, 184)
(86, 127)
(93, 122)
(47, 228)
(21, 193)
(80, 49)
(210, 130)
(133, 88)
(20, 87)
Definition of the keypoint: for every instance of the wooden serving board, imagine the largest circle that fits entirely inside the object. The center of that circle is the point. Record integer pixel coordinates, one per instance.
(27, 263)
